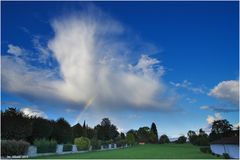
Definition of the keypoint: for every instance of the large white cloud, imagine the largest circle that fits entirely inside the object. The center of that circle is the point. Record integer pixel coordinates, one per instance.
(94, 68)
(210, 119)
(30, 111)
(227, 90)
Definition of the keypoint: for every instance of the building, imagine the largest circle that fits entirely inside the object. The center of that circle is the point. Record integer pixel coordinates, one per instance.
(229, 145)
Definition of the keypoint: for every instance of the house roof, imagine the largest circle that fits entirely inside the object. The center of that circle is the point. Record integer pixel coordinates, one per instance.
(227, 140)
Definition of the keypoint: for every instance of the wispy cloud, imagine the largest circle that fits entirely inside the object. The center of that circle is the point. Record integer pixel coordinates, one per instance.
(14, 50)
(93, 66)
(222, 108)
(188, 86)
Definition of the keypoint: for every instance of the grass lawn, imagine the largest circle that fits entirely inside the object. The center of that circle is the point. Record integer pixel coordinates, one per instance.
(147, 151)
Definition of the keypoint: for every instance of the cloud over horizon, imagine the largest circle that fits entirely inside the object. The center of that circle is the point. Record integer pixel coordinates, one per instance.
(227, 91)
(93, 68)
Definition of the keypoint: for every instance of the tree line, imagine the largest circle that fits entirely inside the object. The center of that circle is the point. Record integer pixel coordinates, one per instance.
(16, 125)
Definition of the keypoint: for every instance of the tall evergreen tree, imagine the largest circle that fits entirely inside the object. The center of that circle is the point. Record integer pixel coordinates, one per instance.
(154, 130)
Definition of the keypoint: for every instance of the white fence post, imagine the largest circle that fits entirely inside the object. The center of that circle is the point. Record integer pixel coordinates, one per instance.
(74, 148)
(109, 146)
(102, 147)
(32, 151)
(59, 149)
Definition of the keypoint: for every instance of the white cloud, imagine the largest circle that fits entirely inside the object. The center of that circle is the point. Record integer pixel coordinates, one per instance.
(33, 112)
(14, 50)
(211, 119)
(227, 90)
(222, 108)
(204, 107)
(94, 69)
(188, 85)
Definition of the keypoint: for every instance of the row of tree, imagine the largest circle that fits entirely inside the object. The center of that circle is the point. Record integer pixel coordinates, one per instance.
(16, 125)
(220, 129)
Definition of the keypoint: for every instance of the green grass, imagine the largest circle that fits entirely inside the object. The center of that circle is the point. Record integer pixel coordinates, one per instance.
(177, 151)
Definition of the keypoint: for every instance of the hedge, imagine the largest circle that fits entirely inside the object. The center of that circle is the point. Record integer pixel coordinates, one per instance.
(45, 146)
(67, 147)
(205, 149)
(13, 147)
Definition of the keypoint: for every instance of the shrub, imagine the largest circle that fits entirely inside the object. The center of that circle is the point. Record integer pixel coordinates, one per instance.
(82, 143)
(96, 144)
(13, 147)
(45, 146)
(67, 147)
(226, 156)
(205, 149)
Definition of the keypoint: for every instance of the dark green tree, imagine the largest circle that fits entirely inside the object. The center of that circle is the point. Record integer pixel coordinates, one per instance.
(181, 140)
(62, 131)
(143, 134)
(41, 129)
(164, 139)
(154, 130)
(192, 136)
(77, 131)
(220, 128)
(15, 125)
(122, 135)
(134, 133)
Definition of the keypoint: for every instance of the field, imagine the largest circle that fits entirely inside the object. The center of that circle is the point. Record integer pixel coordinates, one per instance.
(148, 151)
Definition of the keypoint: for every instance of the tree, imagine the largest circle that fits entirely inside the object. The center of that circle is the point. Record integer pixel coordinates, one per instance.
(143, 134)
(155, 132)
(122, 135)
(106, 130)
(181, 140)
(134, 133)
(152, 137)
(15, 125)
(130, 138)
(77, 130)
(164, 139)
(62, 131)
(192, 136)
(41, 129)
(220, 128)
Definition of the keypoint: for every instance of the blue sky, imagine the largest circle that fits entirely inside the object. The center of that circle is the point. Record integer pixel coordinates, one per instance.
(174, 63)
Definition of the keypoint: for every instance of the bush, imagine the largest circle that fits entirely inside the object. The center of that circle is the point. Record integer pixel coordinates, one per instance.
(205, 149)
(226, 156)
(13, 147)
(45, 146)
(82, 143)
(96, 144)
(67, 147)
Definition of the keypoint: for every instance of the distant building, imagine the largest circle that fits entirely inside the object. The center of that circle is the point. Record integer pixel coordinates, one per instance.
(229, 145)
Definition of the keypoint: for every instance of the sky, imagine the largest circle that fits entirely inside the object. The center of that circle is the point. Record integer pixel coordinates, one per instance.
(172, 63)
